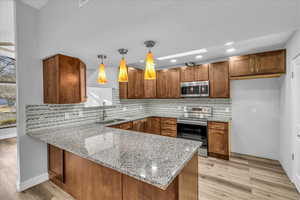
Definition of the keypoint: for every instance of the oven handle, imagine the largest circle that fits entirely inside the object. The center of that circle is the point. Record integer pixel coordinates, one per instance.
(191, 122)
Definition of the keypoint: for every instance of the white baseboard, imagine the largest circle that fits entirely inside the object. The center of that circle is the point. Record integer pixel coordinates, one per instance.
(32, 182)
(297, 183)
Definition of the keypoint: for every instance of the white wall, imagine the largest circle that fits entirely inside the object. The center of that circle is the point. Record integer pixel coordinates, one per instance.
(31, 154)
(255, 117)
(286, 140)
(7, 31)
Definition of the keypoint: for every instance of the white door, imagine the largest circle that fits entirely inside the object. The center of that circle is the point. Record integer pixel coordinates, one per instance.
(296, 94)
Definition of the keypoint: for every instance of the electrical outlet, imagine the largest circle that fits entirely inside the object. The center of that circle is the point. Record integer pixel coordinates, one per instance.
(80, 113)
(227, 109)
(82, 3)
(125, 108)
(179, 108)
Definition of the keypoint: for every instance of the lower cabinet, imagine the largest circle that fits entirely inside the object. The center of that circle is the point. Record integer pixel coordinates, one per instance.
(139, 125)
(82, 177)
(56, 163)
(87, 180)
(169, 127)
(153, 125)
(218, 140)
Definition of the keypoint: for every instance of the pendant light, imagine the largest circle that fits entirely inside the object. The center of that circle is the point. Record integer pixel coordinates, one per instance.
(150, 73)
(101, 75)
(123, 75)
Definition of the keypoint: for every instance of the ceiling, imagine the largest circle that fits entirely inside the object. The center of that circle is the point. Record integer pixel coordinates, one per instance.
(36, 3)
(176, 25)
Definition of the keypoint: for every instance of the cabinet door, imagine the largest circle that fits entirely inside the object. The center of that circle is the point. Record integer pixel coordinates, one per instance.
(161, 83)
(218, 141)
(82, 72)
(149, 88)
(153, 125)
(187, 74)
(139, 125)
(219, 80)
(69, 80)
(126, 126)
(135, 83)
(242, 65)
(51, 79)
(169, 127)
(201, 72)
(270, 62)
(56, 163)
(123, 91)
(173, 83)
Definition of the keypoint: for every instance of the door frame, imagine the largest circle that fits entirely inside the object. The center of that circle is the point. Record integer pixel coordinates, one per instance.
(294, 123)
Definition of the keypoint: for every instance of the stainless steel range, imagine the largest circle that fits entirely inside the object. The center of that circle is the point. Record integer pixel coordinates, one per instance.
(193, 125)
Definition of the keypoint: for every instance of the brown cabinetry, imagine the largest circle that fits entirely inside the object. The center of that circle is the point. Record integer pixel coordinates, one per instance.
(153, 125)
(168, 83)
(135, 85)
(169, 127)
(139, 125)
(219, 80)
(187, 74)
(55, 163)
(64, 79)
(218, 139)
(123, 90)
(149, 88)
(267, 64)
(202, 72)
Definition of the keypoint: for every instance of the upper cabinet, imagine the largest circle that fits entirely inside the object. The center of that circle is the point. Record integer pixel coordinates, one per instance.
(197, 73)
(149, 88)
(202, 72)
(187, 74)
(64, 79)
(258, 65)
(168, 83)
(219, 80)
(135, 86)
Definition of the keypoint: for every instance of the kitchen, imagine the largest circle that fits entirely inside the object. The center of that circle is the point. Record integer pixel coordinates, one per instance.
(202, 118)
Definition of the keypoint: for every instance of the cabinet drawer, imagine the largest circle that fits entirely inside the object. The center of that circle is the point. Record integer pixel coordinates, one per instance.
(126, 126)
(170, 127)
(170, 133)
(218, 125)
(169, 121)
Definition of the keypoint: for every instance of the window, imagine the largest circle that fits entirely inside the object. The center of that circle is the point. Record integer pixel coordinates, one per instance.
(7, 92)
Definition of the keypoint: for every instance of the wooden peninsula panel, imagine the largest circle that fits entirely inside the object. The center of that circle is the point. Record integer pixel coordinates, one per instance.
(87, 180)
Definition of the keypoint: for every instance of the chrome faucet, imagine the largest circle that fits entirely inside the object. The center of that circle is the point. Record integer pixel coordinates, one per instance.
(103, 111)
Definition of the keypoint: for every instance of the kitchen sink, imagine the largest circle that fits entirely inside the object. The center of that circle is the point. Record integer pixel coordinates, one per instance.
(111, 121)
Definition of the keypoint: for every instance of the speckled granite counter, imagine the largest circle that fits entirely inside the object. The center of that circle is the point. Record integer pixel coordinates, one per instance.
(154, 159)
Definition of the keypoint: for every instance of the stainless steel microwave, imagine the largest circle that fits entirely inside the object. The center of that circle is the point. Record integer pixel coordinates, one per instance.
(195, 89)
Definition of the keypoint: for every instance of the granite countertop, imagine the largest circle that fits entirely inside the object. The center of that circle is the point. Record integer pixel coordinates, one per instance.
(153, 159)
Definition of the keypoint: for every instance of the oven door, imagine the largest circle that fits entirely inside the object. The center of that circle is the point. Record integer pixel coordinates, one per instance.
(193, 131)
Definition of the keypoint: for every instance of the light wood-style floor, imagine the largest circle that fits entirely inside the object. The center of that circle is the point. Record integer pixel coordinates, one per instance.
(241, 178)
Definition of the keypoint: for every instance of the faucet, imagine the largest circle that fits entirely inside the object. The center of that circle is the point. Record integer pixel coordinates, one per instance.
(103, 111)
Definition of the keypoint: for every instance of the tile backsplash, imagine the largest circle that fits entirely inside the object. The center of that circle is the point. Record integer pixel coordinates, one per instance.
(53, 115)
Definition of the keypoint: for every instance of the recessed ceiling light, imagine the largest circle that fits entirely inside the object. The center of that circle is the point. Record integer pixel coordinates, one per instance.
(188, 53)
(173, 61)
(230, 50)
(229, 43)
(199, 57)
